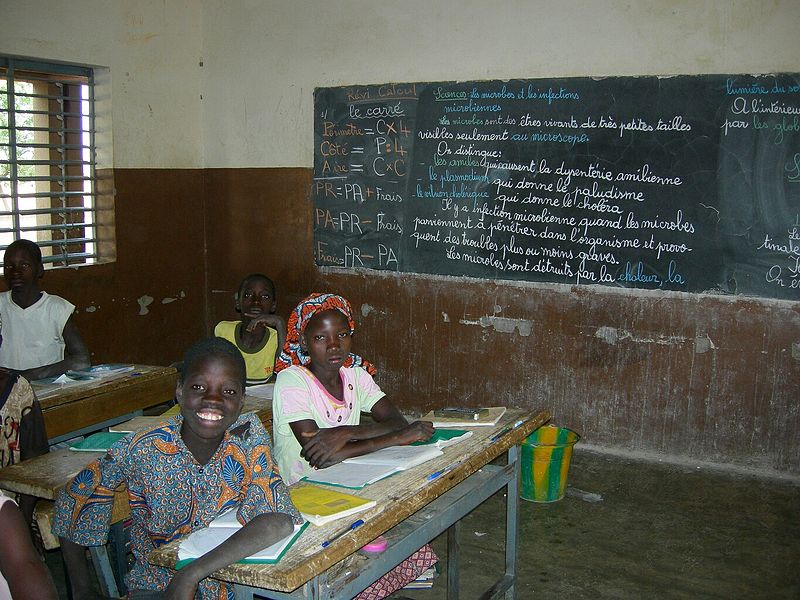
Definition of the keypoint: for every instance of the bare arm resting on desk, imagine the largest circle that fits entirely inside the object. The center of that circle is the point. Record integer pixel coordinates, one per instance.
(76, 355)
(328, 446)
(262, 531)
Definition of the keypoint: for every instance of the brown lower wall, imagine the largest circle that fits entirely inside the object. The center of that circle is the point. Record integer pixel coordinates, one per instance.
(702, 377)
(697, 376)
(159, 259)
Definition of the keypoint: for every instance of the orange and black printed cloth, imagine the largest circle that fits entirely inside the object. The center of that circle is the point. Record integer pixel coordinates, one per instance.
(293, 353)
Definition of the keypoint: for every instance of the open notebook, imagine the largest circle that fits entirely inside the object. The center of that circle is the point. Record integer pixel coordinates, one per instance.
(202, 541)
(360, 471)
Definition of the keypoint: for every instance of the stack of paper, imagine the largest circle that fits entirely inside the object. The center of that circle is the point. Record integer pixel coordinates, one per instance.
(320, 505)
(220, 529)
(360, 471)
(489, 418)
(424, 581)
(105, 371)
(262, 390)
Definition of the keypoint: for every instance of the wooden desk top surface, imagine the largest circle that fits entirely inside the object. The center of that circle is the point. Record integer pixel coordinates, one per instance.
(44, 475)
(54, 394)
(398, 497)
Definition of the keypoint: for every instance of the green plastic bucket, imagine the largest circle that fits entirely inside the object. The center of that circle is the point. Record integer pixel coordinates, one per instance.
(546, 454)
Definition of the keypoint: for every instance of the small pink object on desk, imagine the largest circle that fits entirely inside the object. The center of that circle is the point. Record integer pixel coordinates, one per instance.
(376, 546)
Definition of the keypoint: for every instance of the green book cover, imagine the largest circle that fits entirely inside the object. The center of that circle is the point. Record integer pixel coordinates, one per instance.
(440, 437)
(98, 442)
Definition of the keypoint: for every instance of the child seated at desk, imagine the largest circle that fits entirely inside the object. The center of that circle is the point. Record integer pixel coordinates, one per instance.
(180, 475)
(22, 430)
(23, 575)
(259, 333)
(41, 339)
(320, 392)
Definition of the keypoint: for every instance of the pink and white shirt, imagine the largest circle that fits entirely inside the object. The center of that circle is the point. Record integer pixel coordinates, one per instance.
(298, 396)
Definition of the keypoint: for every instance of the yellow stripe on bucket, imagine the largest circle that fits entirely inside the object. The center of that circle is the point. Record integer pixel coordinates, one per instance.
(546, 455)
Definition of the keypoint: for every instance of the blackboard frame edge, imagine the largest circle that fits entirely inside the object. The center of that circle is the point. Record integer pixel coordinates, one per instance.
(581, 289)
(547, 77)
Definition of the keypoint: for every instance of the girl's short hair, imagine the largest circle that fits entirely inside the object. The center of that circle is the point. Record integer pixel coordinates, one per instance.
(213, 346)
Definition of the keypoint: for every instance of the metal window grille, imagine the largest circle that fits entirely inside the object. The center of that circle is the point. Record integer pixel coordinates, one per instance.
(47, 159)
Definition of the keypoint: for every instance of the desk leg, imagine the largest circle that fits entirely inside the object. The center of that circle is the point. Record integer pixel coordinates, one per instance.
(117, 548)
(453, 550)
(512, 521)
(105, 574)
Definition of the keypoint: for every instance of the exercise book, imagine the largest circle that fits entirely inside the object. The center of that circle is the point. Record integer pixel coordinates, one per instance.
(442, 438)
(320, 505)
(360, 471)
(204, 540)
(97, 442)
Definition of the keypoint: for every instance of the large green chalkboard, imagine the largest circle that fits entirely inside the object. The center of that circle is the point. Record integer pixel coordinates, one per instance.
(688, 183)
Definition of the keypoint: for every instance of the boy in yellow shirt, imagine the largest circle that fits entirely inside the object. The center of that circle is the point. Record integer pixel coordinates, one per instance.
(260, 333)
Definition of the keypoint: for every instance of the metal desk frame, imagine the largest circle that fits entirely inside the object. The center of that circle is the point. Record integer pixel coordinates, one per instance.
(443, 513)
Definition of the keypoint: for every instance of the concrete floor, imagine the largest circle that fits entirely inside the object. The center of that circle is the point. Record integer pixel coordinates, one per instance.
(660, 531)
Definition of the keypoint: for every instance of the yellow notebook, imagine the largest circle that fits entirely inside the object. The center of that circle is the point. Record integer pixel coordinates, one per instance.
(321, 505)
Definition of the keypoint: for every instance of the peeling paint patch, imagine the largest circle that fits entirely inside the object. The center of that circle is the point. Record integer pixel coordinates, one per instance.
(501, 325)
(702, 344)
(367, 309)
(445, 317)
(90, 309)
(796, 350)
(607, 334)
(168, 300)
(612, 335)
(144, 302)
(498, 309)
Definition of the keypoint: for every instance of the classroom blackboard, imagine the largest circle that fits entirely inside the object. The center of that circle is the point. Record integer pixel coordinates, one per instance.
(687, 183)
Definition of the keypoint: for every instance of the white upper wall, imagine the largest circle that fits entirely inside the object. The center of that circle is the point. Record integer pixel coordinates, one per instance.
(262, 59)
(151, 49)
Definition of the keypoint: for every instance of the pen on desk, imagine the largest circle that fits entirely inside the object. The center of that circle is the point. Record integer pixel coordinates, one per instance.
(504, 431)
(328, 542)
(440, 472)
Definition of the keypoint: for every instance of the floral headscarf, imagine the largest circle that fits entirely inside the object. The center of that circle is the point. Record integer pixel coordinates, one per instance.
(293, 354)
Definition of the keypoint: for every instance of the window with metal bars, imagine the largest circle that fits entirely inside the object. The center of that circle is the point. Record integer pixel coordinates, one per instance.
(47, 160)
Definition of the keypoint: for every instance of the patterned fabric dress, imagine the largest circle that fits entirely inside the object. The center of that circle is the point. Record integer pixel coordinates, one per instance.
(22, 433)
(171, 494)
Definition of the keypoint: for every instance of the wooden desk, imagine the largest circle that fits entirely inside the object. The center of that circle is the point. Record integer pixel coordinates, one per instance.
(411, 511)
(43, 476)
(75, 409)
